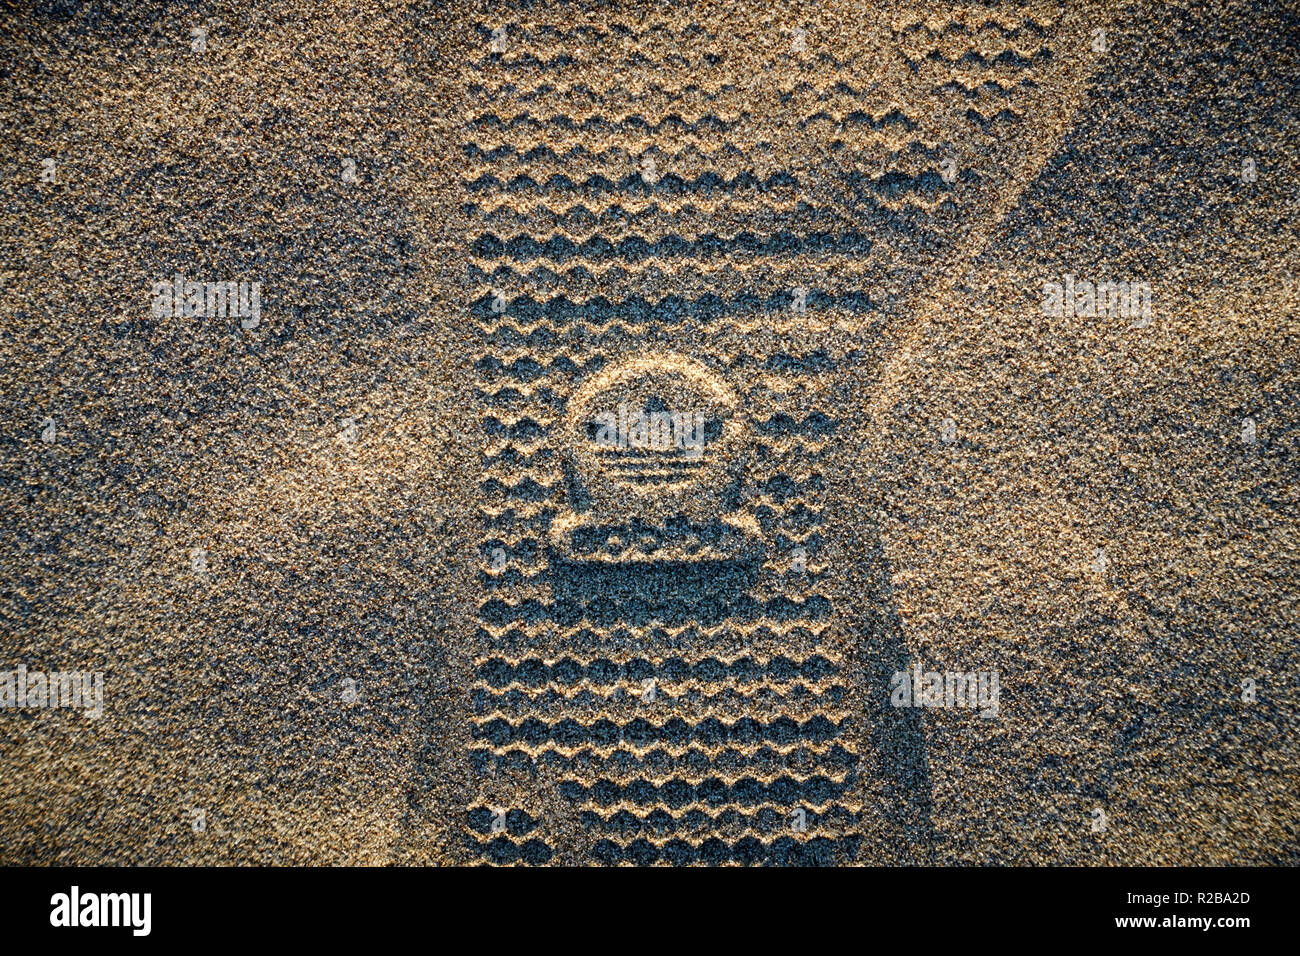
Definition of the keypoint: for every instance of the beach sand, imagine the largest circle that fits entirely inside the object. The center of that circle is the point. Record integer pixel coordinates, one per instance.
(360, 587)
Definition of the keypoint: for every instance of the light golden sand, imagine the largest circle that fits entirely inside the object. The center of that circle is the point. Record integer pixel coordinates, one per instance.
(332, 558)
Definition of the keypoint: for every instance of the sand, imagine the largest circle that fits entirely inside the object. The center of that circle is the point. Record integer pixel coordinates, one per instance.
(362, 590)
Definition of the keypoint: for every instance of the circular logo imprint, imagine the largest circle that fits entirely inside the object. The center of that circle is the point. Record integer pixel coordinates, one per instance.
(654, 434)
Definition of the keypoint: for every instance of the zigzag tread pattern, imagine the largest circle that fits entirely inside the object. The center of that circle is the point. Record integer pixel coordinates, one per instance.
(551, 179)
